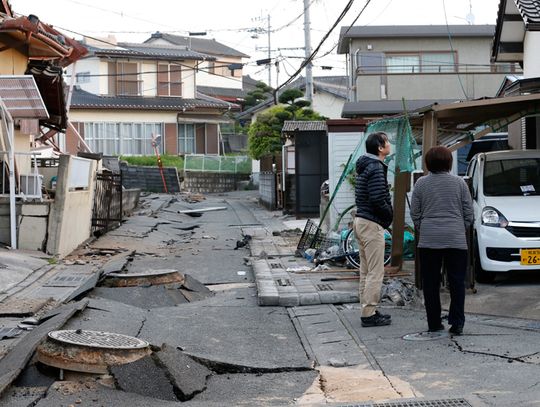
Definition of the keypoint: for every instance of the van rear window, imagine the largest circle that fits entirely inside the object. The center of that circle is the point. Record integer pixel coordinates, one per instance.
(512, 177)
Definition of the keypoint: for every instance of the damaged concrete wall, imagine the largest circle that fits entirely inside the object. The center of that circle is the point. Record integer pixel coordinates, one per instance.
(71, 214)
(32, 226)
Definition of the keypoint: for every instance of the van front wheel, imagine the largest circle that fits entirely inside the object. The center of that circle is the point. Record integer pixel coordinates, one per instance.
(481, 275)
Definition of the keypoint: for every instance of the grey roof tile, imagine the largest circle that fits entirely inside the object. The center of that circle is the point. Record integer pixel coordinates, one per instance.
(145, 51)
(530, 12)
(203, 45)
(425, 31)
(292, 126)
(86, 100)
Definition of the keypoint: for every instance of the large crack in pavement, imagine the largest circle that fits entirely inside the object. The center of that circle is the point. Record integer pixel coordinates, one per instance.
(510, 359)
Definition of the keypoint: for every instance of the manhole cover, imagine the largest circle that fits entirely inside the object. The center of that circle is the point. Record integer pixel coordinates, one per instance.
(98, 339)
(90, 351)
(426, 336)
(148, 273)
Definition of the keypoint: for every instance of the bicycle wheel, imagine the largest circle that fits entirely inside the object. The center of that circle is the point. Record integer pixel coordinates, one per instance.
(350, 247)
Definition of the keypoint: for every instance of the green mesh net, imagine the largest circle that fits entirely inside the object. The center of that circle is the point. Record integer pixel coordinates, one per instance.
(405, 153)
(405, 156)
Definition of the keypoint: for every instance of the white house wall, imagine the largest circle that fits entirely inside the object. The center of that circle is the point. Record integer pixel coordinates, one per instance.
(340, 147)
(149, 78)
(328, 105)
(136, 116)
(204, 78)
(531, 56)
(92, 66)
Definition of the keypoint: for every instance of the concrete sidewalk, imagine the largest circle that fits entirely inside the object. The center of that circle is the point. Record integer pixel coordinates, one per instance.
(495, 363)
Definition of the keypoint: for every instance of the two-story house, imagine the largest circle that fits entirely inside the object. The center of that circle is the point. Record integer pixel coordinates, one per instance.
(220, 77)
(126, 94)
(421, 64)
(517, 40)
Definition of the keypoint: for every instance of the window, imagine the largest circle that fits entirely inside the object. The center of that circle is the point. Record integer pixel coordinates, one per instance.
(127, 82)
(82, 77)
(122, 138)
(186, 138)
(421, 62)
(169, 80)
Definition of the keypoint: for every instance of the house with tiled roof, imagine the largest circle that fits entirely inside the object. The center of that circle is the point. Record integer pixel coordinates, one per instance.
(220, 77)
(127, 93)
(517, 40)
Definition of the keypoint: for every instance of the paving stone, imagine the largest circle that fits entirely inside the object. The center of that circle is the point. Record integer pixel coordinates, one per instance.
(187, 375)
(22, 307)
(337, 297)
(144, 377)
(309, 298)
(269, 299)
(289, 300)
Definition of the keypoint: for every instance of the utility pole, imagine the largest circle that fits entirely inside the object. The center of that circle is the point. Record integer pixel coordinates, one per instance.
(269, 52)
(307, 39)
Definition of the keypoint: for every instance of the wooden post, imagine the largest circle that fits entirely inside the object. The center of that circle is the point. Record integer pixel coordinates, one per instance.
(401, 187)
(429, 135)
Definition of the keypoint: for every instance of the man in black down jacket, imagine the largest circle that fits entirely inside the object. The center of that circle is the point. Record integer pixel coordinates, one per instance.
(373, 214)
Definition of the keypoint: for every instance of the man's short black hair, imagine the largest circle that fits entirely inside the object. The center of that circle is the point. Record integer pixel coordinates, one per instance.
(374, 141)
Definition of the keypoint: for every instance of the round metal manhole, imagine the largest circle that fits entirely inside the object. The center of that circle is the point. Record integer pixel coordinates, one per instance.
(98, 339)
(426, 336)
(147, 274)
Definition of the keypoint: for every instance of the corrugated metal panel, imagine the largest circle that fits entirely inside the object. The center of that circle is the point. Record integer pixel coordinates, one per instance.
(340, 146)
(22, 98)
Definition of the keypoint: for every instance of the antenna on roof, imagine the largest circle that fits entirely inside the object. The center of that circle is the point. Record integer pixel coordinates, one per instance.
(470, 17)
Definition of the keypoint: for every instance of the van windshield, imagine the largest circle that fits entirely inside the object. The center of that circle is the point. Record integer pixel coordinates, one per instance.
(512, 177)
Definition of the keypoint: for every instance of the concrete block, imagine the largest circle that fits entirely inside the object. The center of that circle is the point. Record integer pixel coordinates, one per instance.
(309, 298)
(337, 297)
(289, 300)
(35, 209)
(32, 233)
(269, 299)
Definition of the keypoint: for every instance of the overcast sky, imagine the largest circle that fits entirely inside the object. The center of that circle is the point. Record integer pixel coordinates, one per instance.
(233, 22)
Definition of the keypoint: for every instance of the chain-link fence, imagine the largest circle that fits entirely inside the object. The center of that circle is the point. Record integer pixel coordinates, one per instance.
(237, 164)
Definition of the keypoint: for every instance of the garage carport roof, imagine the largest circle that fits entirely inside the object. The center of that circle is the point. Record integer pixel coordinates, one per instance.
(456, 124)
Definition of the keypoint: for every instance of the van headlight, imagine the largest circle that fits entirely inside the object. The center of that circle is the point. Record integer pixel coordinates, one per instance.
(492, 217)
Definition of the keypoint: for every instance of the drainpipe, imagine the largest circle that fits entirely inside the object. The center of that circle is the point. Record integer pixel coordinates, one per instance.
(12, 206)
(354, 69)
(283, 168)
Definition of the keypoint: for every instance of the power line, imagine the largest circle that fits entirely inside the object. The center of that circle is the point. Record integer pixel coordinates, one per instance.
(452, 49)
(310, 58)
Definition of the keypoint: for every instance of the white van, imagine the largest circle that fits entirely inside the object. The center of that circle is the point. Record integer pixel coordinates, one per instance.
(506, 199)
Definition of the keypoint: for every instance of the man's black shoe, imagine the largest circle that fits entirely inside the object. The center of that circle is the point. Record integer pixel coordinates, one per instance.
(383, 315)
(375, 320)
(437, 329)
(456, 329)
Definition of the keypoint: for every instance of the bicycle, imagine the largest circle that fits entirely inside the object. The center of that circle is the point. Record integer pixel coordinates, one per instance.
(351, 250)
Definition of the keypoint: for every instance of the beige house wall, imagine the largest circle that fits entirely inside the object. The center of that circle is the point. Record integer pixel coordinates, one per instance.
(476, 78)
(12, 62)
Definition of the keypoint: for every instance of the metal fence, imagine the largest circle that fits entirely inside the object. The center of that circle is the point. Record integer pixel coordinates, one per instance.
(107, 212)
(236, 164)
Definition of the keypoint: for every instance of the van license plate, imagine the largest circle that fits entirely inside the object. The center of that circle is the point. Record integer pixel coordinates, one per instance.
(530, 257)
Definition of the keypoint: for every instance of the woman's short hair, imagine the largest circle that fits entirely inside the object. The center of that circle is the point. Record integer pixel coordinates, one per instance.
(374, 141)
(439, 159)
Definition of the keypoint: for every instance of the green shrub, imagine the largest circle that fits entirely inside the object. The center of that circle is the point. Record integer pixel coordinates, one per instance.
(151, 160)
